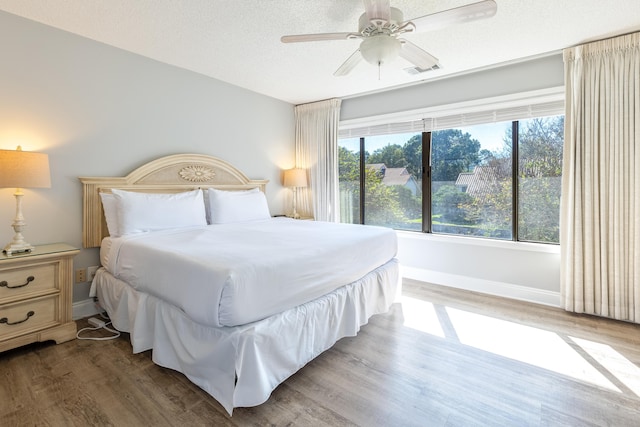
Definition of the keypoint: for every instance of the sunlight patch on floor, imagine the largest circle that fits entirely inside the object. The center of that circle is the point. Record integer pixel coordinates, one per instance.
(421, 315)
(537, 347)
(614, 362)
(534, 346)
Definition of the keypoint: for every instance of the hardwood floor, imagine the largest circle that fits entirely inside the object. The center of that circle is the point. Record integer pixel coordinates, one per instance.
(443, 357)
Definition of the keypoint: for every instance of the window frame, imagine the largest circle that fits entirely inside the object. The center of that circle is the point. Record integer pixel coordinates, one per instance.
(514, 108)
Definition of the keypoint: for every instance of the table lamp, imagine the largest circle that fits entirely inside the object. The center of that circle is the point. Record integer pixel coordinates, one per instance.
(22, 169)
(295, 178)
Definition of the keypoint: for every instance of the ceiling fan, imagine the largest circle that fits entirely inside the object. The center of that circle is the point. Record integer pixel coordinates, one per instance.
(381, 26)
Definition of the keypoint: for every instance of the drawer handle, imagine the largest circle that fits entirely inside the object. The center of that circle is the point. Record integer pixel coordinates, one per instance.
(6, 285)
(5, 320)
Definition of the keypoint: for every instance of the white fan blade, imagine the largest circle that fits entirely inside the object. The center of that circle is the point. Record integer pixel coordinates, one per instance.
(417, 56)
(349, 64)
(318, 37)
(378, 11)
(457, 15)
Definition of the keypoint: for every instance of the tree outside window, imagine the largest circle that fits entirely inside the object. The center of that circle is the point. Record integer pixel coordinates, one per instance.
(540, 143)
(392, 181)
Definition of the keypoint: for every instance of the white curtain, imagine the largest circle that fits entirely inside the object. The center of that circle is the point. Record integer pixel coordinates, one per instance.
(600, 214)
(317, 152)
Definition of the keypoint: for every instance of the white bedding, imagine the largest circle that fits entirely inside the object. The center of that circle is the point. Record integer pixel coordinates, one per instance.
(233, 274)
(241, 365)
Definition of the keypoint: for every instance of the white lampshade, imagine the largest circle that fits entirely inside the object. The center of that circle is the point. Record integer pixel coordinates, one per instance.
(295, 178)
(380, 49)
(24, 169)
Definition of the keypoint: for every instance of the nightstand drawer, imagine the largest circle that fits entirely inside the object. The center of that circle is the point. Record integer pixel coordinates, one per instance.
(15, 282)
(27, 316)
(36, 296)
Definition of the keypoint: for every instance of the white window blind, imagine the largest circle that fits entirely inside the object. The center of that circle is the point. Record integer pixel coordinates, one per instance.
(472, 116)
(383, 129)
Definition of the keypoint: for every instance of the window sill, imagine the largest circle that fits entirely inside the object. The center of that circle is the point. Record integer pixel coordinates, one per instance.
(479, 241)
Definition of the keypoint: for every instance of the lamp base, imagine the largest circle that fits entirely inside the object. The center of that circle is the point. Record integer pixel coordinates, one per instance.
(14, 248)
(18, 244)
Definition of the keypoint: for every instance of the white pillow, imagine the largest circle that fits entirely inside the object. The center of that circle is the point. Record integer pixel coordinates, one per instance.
(237, 206)
(141, 212)
(110, 208)
(207, 203)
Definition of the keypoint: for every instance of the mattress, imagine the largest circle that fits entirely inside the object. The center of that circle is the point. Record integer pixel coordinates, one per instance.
(234, 274)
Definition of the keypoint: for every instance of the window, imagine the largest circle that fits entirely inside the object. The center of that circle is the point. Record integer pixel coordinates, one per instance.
(540, 143)
(496, 180)
(471, 181)
(390, 171)
(349, 180)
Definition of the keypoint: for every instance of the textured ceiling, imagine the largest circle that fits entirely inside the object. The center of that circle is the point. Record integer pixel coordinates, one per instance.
(238, 41)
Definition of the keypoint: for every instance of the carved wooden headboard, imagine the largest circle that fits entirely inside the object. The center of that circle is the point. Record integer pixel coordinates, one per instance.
(170, 174)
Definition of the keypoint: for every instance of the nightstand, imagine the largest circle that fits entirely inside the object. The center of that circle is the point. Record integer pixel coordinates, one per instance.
(36, 296)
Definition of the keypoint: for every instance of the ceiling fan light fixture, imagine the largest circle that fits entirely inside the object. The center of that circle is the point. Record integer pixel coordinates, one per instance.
(380, 49)
(381, 26)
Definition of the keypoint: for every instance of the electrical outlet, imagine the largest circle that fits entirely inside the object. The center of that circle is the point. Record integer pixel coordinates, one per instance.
(91, 272)
(81, 275)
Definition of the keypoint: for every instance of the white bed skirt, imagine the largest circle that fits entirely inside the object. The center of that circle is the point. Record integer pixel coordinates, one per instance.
(240, 366)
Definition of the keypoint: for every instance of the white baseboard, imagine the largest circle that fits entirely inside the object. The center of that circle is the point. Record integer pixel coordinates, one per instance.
(501, 289)
(84, 308)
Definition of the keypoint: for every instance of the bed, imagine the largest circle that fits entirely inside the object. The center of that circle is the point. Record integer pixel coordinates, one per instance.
(195, 269)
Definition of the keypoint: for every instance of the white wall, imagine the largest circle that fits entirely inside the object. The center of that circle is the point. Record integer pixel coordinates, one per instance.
(100, 111)
(512, 269)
